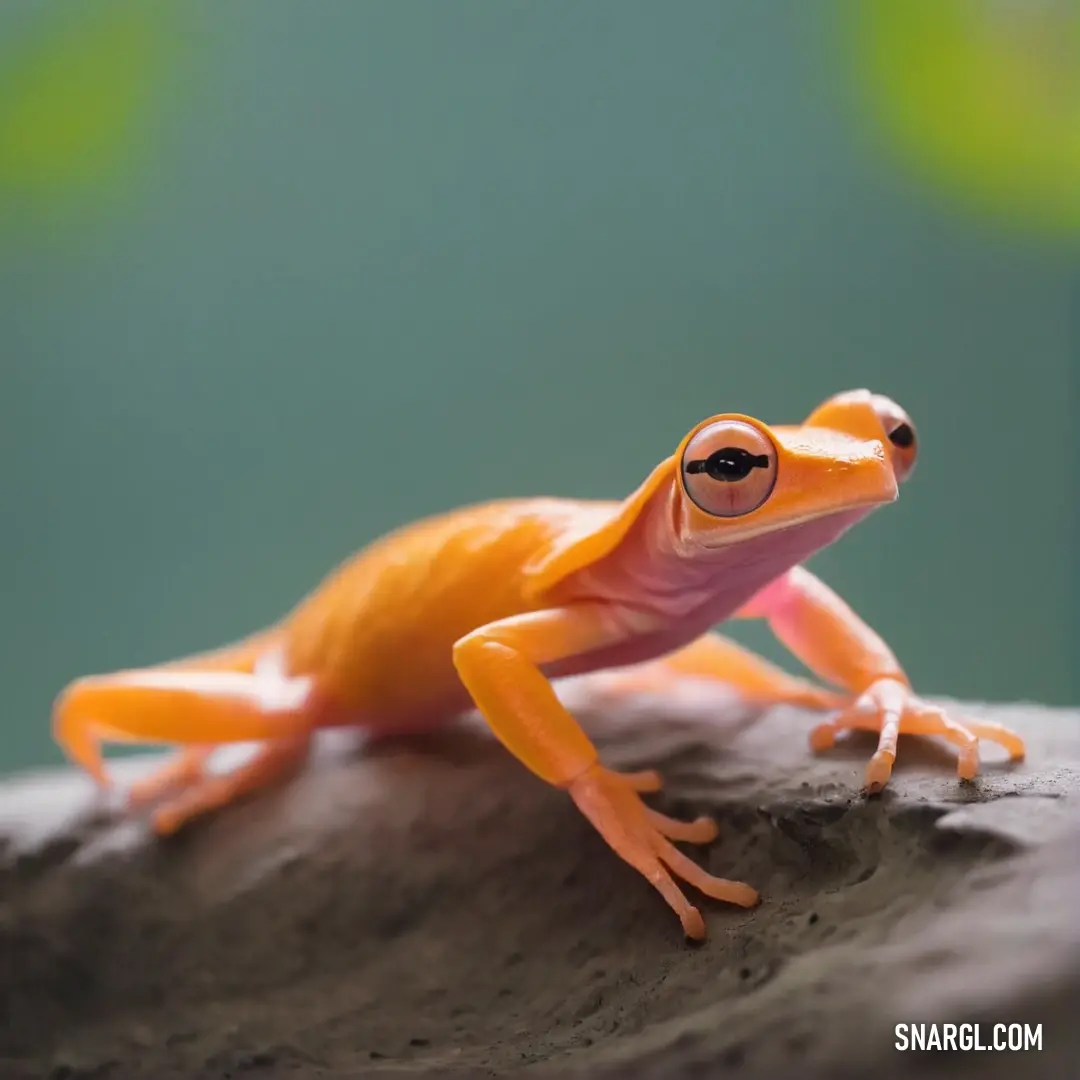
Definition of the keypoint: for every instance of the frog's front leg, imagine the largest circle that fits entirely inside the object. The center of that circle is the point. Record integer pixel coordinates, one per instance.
(501, 666)
(823, 632)
(201, 709)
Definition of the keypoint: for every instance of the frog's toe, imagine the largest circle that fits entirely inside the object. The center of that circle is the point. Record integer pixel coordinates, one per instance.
(183, 770)
(273, 763)
(892, 709)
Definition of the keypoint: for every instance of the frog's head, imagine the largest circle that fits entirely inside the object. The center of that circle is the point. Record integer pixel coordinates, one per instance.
(739, 478)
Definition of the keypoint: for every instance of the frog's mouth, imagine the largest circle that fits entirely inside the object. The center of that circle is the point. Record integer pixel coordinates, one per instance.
(777, 541)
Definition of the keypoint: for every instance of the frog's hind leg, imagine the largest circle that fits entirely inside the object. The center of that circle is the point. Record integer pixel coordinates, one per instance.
(716, 658)
(201, 709)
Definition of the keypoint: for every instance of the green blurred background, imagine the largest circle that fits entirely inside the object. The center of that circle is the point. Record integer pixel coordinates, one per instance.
(275, 277)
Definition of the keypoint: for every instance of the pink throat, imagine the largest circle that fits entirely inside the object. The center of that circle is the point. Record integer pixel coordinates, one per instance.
(690, 587)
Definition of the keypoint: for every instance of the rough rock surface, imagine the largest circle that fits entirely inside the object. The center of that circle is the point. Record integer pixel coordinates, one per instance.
(427, 907)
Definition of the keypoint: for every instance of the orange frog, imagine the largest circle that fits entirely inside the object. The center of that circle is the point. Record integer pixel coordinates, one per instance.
(486, 606)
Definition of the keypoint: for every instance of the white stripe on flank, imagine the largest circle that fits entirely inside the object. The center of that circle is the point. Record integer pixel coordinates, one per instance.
(268, 692)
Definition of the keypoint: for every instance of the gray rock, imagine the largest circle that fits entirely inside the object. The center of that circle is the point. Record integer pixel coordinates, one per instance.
(428, 907)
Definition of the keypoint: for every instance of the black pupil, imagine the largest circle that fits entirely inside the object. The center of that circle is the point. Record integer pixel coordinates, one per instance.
(730, 463)
(902, 436)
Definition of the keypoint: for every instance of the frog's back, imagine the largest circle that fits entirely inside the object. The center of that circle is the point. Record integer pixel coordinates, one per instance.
(378, 633)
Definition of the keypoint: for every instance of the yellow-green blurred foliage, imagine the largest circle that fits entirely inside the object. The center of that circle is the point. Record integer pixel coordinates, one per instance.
(982, 96)
(78, 83)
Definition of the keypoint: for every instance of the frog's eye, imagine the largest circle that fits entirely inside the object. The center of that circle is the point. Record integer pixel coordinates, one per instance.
(900, 431)
(729, 468)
